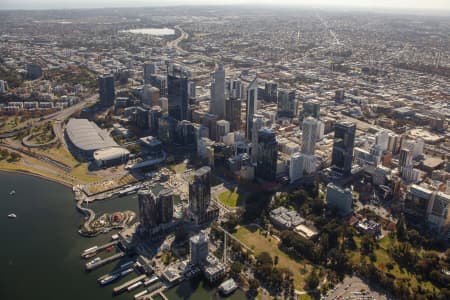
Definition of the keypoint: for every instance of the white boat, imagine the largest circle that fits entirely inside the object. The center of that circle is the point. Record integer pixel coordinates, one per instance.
(12, 216)
(134, 286)
(94, 261)
(12, 192)
(126, 272)
(109, 279)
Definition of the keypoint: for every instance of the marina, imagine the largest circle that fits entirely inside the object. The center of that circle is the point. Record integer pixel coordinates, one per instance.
(58, 206)
(95, 249)
(98, 263)
(121, 288)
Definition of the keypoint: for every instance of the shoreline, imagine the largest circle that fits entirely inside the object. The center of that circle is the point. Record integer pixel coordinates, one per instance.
(28, 173)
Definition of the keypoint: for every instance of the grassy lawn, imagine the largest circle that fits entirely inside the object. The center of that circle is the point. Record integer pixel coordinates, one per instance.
(60, 154)
(80, 172)
(253, 238)
(229, 198)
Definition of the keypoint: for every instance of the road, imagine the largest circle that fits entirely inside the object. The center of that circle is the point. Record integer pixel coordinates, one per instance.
(184, 36)
(58, 116)
(175, 43)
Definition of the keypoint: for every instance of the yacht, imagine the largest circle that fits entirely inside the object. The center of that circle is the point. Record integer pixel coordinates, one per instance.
(12, 216)
(12, 192)
(94, 261)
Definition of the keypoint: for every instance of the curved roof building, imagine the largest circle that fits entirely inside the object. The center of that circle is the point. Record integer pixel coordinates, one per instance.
(87, 137)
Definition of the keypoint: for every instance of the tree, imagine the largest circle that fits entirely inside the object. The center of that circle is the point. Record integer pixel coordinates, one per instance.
(236, 268)
(401, 229)
(275, 261)
(312, 280)
(253, 284)
(367, 245)
(264, 258)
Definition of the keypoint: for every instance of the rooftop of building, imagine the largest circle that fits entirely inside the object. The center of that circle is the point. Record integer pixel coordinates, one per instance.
(87, 136)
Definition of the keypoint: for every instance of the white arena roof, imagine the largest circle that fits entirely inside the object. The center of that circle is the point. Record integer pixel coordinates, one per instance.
(87, 136)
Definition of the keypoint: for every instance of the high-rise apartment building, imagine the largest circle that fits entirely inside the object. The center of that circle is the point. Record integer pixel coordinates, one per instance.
(233, 113)
(271, 92)
(344, 141)
(267, 155)
(106, 90)
(287, 104)
(177, 93)
(217, 105)
(252, 100)
(309, 131)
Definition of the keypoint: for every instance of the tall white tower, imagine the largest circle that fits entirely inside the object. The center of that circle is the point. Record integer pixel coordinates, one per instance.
(218, 92)
(309, 136)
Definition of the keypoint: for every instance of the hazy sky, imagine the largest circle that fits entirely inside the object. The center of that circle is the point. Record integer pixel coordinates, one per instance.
(398, 4)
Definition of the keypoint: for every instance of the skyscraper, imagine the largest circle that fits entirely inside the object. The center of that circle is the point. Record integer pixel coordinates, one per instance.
(252, 98)
(198, 246)
(154, 209)
(200, 191)
(405, 159)
(233, 113)
(222, 128)
(296, 166)
(339, 199)
(106, 90)
(267, 155)
(147, 209)
(149, 70)
(311, 109)
(344, 140)
(153, 119)
(177, 91)
(217, 105)
(309, 130)
(258, 123)
(164, 206)
(271, 92)
(287, 104)
(234, 88)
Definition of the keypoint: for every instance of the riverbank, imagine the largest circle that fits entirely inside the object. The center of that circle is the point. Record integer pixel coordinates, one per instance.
(37, 175)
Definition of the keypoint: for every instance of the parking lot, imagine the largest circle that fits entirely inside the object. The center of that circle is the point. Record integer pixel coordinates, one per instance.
(354, 288)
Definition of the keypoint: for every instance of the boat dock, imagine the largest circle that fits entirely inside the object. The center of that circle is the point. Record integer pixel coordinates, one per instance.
(94, 250)
(119, 289)
(104, 261)
(150, 293)
(159, 292)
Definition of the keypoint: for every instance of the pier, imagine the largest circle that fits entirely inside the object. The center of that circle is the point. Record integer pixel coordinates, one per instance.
(104, 261)
(119, 289)
(99, 249)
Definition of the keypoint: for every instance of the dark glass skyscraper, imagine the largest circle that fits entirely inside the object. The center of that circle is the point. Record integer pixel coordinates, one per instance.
(311, 109)
(267, 155)
(233, 113)
(154, 210)
(287, 104)
(344, 141)
(271, 92)
(252, 98)
(178, 94)
(106, 90)
(200, 191)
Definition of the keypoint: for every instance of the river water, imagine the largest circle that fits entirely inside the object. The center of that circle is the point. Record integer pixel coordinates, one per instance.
(40, 250)
(152, 31)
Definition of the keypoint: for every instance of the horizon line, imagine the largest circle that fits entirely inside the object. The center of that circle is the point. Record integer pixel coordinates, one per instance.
(374, 9)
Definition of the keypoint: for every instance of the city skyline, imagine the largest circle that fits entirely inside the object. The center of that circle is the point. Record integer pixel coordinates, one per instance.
(398, 5)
